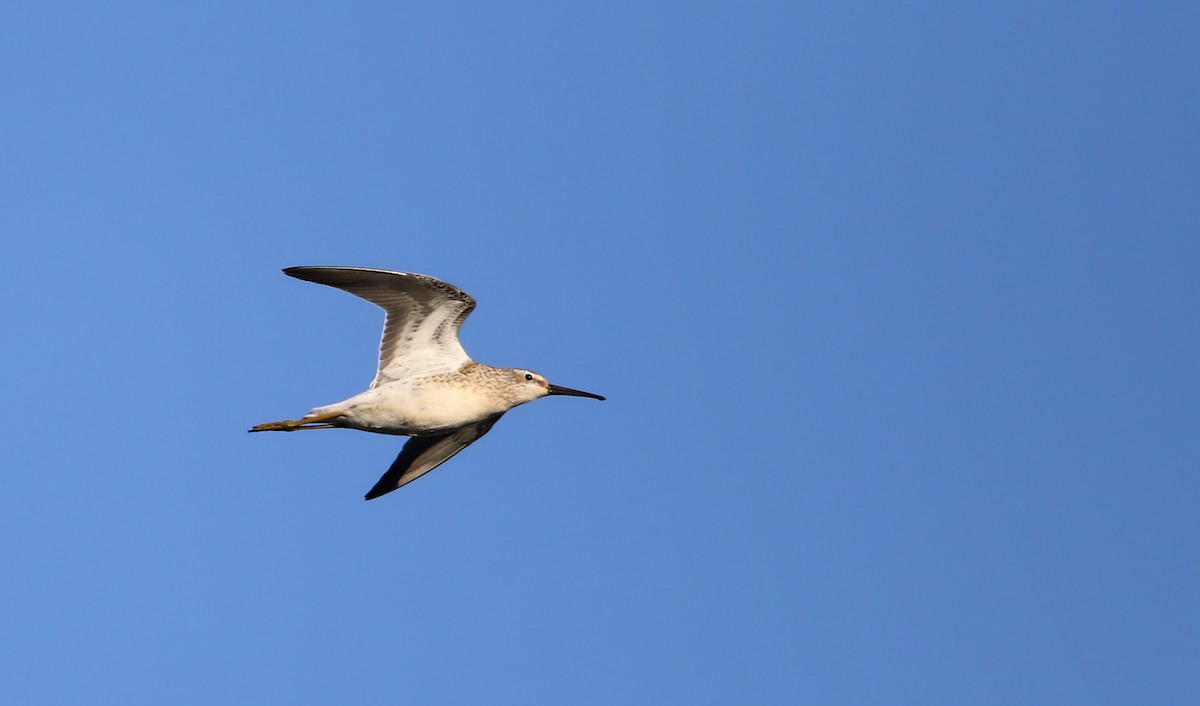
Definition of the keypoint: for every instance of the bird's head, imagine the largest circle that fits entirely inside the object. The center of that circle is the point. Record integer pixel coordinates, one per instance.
(530, 386)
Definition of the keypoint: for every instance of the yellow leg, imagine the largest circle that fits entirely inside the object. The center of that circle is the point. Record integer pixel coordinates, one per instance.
(309, 422)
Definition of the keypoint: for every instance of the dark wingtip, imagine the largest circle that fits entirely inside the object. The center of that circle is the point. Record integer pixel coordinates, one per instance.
(307, 272)
(377, 491)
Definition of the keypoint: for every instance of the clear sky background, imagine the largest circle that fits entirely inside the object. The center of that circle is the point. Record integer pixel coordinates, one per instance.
(895, 306)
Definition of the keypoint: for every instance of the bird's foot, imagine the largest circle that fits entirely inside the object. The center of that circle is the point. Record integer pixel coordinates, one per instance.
(285, 425)
(312, 421)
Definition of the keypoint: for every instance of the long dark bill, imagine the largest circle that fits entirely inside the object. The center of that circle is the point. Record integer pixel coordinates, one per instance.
(556, 390)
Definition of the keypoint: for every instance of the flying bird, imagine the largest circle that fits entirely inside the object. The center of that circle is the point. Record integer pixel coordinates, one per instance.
(426, 387)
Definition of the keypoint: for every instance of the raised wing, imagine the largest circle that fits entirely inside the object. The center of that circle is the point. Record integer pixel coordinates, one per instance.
(422, 454)
(420, 332)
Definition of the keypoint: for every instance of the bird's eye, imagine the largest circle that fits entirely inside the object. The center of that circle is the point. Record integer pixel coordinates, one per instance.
(528, 376)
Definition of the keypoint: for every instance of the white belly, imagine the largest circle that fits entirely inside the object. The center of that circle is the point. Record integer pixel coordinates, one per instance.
(399, 408)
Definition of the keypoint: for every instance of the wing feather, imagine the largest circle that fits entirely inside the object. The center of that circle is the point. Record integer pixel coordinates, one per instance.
(422, 454)
(424, 315)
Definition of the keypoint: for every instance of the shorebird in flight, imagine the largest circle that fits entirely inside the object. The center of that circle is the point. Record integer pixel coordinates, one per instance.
(426, 387)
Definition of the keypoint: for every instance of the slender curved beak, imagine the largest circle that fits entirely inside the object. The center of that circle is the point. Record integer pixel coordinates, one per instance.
(556, 390)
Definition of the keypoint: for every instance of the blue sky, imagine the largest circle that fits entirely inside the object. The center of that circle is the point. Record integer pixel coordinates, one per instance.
(895, 308)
